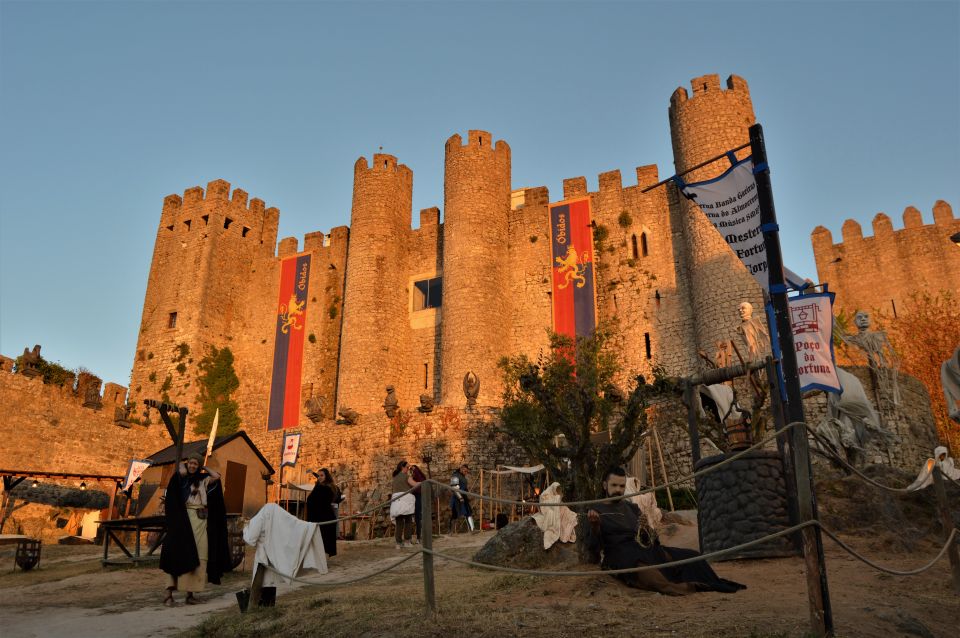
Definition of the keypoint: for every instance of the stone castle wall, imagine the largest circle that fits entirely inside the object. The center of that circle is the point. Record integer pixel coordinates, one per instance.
(46, 428)
(881, 271)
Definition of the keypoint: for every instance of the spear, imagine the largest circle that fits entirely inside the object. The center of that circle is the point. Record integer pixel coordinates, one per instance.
(213, 435)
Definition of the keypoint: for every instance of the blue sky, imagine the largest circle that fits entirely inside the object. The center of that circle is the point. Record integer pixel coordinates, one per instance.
(106, 107)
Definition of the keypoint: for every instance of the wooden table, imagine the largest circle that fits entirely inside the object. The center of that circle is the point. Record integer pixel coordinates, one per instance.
(138, 526)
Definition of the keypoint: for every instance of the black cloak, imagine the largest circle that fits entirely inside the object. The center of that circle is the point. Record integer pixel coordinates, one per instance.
(320, 509)
(178, 555)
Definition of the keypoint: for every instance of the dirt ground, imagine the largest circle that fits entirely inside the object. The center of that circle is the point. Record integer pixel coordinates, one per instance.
(71, 595)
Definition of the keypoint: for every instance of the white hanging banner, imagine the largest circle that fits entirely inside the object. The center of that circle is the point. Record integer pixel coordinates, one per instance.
(811, 317)
(732, 205)
(133, 473)
(291, 449)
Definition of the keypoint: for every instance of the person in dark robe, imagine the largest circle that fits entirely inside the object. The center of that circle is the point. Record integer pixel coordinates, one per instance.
(320, 509)
(618, 529)
(419, 477)
(195, 550)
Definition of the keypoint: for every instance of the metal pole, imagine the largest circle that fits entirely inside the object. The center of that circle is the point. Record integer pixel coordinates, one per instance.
(947, 521)
(427, 543)
(821, 616)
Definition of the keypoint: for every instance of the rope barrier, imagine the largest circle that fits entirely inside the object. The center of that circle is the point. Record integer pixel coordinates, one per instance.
(343, 582)
(910, 572)
(629, 570)
(648, 490)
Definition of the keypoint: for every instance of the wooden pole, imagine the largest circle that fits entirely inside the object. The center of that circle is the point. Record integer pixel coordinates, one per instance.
(821, 614)
(692, 425)
(947, 521)
(429, 592)
(663, 466)
(480, 519)
(650, 465)
(256, 589)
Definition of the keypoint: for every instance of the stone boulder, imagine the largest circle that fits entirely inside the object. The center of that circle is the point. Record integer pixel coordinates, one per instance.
(520, 544)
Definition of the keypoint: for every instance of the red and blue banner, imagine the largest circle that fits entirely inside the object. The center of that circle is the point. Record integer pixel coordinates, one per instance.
(572, 260)
(288, 349)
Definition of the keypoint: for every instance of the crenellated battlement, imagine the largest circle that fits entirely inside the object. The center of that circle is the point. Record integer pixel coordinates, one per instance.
(882, 226)
(709, 85)
(477, 140)
(610, 181)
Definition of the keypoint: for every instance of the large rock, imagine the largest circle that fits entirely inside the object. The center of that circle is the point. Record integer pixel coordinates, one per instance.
(520, 544)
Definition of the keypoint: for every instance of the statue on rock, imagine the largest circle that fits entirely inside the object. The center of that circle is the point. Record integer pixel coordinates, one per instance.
(851, 420)
(471, 388)
(391, 404)
(950, 379)
(881, 357)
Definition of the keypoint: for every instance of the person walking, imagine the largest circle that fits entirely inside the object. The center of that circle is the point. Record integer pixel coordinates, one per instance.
(403, 503)
(459, 501)
(320, 509)
(419, 477)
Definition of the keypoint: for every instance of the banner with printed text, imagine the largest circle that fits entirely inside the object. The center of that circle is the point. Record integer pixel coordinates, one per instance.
(291, 318)
(291, 449)
(811, 318)
(731, 204)
(572, 258)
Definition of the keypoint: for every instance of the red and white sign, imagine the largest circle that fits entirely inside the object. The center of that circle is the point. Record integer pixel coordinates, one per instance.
(291, 449)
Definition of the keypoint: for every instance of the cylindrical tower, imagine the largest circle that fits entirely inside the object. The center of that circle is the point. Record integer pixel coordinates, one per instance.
(708, 124)
(475, 313)
(375, 341)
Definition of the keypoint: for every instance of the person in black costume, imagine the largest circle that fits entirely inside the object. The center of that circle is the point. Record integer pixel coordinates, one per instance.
(617, 528)
(320, 509)
(195, 549)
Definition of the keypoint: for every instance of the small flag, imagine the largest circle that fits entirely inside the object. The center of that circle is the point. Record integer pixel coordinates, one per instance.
(137, 466)
(213, 434)
(291, 449)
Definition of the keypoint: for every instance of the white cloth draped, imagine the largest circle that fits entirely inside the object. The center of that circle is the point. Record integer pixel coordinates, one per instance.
(286, 543)
(646, 502)
(557, 523)
(403, 505)
(925, 477)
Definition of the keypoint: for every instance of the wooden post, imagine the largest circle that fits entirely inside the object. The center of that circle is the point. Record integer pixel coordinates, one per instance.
(947, 521)
(113, 499)
(480, 518)
(692, 425)
(663, 466)
(429, 593)
(256, 589)
(650, 465)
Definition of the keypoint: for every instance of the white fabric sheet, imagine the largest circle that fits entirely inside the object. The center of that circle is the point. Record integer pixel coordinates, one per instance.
(286, 543)
(403, 506)
(557, 523)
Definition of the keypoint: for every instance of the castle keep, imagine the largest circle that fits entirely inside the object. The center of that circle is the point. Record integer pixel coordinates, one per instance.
(418, 308)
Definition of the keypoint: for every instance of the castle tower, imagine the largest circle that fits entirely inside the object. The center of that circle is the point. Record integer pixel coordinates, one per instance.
(708, 124)
(205, 245)
(375, 342)
(475, 324)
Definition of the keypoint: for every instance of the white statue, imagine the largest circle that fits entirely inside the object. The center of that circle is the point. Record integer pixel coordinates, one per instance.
(851, 419)
(950, 379)
(881, 357)
(947, 467)
(753, 333)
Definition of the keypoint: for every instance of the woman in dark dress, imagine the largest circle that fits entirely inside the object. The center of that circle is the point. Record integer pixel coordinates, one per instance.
(320, 509)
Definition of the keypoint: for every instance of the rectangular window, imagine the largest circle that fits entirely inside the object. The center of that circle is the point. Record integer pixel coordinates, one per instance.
(427, 293)
(172, 320)
(646, 340)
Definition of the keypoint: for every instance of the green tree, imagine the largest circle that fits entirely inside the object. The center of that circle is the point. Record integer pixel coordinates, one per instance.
(217, 381)
(552, 407)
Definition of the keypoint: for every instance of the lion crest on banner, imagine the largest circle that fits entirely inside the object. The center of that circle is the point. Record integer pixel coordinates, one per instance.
(291, 314)
(572, 267)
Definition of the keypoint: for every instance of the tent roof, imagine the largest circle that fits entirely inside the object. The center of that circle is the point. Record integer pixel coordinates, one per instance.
(168, 454)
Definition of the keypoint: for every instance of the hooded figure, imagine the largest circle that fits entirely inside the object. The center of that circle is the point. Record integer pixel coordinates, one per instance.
(195, 549)
(925, 477)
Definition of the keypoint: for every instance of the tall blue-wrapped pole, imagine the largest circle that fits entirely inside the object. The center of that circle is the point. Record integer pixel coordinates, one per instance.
(821, 616)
